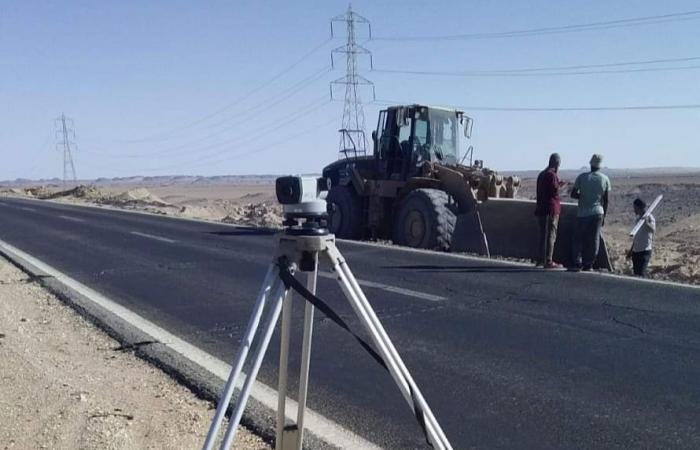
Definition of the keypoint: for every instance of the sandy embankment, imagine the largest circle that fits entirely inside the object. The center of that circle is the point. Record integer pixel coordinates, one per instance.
(253, 205)
(63, 384)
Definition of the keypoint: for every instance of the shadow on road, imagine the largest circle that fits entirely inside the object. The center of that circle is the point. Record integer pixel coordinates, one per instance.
(247, 231)
(466, 269)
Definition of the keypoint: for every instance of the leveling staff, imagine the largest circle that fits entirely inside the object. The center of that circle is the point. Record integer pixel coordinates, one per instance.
(640, 253)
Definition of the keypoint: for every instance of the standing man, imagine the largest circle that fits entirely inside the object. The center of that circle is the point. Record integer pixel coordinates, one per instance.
(643, 240)
(592, 190)
(547, 212)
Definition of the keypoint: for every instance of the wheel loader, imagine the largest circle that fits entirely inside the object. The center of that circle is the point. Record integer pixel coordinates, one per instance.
(417, 190)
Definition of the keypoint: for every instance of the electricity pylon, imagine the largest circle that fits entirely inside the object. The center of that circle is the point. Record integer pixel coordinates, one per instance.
(65, 129)
(352, 131)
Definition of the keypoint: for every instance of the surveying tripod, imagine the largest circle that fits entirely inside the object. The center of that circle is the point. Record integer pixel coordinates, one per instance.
(300, 249)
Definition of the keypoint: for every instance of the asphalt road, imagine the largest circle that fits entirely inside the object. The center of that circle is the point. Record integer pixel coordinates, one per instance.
(507, 356)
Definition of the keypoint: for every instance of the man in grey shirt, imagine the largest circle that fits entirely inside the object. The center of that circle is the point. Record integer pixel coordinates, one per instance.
(640, 254)
(591, 189)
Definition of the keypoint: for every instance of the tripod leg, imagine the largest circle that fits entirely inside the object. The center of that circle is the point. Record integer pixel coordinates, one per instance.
(273, 315)
(285, 332)
(398, 370)
(268, 286)
(305, 356)
(431, 421)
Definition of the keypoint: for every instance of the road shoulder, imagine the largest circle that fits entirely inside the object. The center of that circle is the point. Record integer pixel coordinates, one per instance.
(66, 384)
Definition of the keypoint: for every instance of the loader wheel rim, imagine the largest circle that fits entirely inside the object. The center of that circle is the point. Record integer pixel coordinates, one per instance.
(415, 228)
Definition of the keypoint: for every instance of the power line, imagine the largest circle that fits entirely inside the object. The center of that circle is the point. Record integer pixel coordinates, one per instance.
(248, 115)
(275, 124)
(594, 66)
(515, 74)
(302, 133)
(257, 135)
(276, 144)
(566, 108)
(277, 99)
(574, 28)
(319, 101)
(584, 108)
(557, 70)
(262, 149)
(166, 134)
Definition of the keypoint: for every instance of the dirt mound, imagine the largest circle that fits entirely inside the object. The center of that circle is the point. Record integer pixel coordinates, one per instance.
(138, 195)
(84, 192)
(12, 191)
(41, 192)
(91, 194)
(676, 255)
(676, 263)
(256, 214)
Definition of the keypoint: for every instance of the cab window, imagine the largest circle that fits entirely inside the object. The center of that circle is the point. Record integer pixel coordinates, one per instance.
(405, 131)
(421, 132)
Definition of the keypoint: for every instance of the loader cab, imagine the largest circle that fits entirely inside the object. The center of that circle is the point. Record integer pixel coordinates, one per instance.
(408, 136)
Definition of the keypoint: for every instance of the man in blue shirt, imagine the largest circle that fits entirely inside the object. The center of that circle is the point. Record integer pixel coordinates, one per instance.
(592, 190)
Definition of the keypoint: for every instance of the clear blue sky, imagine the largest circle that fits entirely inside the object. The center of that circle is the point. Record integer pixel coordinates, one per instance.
(129, 70)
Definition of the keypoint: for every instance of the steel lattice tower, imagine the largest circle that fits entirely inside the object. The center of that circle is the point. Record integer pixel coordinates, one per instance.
(65, 129)
(352, 132)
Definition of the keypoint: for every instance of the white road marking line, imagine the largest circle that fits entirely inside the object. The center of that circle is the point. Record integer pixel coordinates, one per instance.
(74, 219)
(26, 208)
(390, 288)
(319, 425)
(152, 236)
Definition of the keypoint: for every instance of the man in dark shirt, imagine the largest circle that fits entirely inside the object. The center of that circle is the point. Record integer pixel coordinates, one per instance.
(547, 211)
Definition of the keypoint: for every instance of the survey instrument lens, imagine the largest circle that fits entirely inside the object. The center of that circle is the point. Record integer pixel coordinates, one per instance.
(304, 204)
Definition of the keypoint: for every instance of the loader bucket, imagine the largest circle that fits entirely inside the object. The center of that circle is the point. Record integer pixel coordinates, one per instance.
(511, 230)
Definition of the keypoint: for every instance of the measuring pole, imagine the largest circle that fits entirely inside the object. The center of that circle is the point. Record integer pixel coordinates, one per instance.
(649, 210)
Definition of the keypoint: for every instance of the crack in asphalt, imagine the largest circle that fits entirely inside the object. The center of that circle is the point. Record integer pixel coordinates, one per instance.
(630, 308)
(627, 324)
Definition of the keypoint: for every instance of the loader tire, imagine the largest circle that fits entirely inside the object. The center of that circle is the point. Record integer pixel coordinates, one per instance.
(424, 220)
(344, 213)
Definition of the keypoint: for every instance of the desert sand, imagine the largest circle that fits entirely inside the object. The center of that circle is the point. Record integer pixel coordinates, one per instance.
(250, 200)
(65, 384)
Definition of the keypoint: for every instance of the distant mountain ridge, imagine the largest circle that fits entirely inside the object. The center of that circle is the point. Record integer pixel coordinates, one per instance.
(152, 180)
(268, 178)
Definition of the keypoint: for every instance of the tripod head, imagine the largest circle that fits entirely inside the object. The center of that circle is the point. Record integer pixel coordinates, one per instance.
(303, 201)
